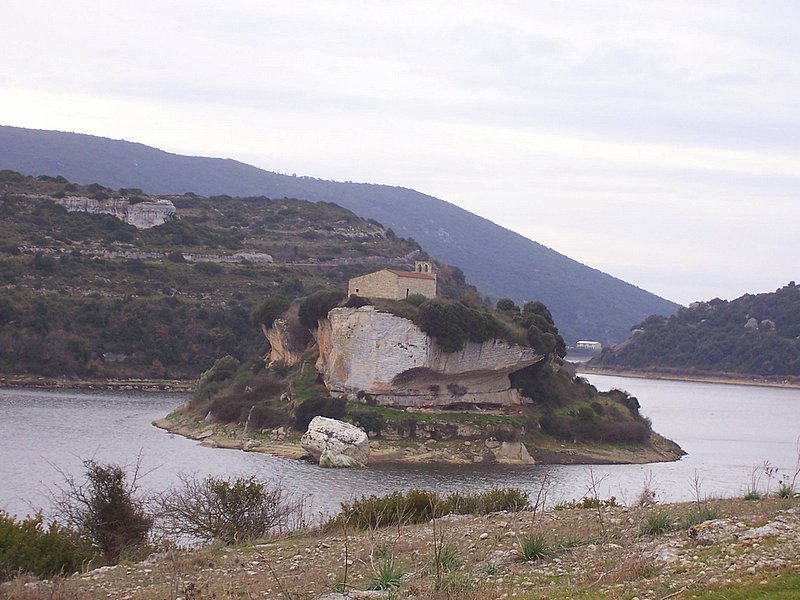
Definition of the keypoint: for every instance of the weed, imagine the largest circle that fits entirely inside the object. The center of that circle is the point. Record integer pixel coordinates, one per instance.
(699, 514)
(656, 523)
(533, 547)
(785, 491)
(449, 558)
(752, 495)
(573, 541)
(587, 502)
(455, 583)
(388, 576)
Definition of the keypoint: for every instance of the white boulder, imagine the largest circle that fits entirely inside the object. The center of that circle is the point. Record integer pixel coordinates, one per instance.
(335, 443)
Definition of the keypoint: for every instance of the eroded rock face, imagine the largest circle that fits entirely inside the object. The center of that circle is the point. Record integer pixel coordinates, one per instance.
(286, 342)
(335, 443)
(363, 351)
(142, 215)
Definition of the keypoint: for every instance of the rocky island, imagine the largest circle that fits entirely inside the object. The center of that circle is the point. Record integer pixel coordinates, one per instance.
(429, 379)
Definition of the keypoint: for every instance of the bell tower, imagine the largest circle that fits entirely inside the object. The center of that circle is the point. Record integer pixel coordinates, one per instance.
(423, 266)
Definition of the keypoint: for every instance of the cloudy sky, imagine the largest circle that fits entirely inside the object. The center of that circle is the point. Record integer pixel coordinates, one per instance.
(656, 141)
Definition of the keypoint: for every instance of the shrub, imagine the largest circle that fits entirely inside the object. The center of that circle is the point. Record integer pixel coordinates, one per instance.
(318, 406)
(269, 309)
(357, 301)
(371, 422)
(224, 510)
(106, 511)
(420, 506)
(452, 324)
(208, 268)
(533, 547)
(223, 368)
(507, 305)
(494, 500)
(317, 306)
(30, 547)
(416, 299)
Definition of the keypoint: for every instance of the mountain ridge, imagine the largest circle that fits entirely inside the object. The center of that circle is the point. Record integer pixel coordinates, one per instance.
(586, 302)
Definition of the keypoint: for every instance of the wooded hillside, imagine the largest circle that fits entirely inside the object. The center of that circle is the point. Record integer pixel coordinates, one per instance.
(754, 335)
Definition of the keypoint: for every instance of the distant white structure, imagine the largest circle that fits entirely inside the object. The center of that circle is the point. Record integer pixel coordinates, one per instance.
(589, 345)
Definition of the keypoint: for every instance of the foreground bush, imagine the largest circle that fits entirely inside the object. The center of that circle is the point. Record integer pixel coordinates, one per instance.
(27, 546)
(106, 510)
(420, 506)
(215, 509)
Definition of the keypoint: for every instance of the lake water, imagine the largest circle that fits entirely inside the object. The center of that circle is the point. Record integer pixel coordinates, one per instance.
(727, 430)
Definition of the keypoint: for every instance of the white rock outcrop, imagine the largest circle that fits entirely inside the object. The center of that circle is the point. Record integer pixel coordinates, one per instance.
(141, 215)
(364, 351)
(335, 443)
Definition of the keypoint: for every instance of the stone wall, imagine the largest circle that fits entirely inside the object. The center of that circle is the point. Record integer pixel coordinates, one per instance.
(386, 284)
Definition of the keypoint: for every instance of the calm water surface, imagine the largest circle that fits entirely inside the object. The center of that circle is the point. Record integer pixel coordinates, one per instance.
(727, 430)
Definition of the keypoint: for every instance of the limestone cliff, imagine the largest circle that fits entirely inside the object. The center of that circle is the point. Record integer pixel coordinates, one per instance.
(364, 351)
(286, 340)
(141, 215)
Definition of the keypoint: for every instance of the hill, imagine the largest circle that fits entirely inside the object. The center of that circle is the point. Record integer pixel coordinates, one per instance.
(87, 295)
(752, 335)
(586, 303)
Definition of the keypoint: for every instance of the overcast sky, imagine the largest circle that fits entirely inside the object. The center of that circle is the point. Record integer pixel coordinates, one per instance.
(656, 141)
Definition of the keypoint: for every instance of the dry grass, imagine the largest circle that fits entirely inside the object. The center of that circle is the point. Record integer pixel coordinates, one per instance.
(595, 561)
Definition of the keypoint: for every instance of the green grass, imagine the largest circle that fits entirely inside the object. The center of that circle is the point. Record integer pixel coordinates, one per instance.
(699, 514)
(778, 586)
(656, 523)
(533, 547)
(449, 558)
(388, 576)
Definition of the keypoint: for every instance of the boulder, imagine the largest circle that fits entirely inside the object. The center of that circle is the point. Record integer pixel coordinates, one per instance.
(335, 443)
(513, 453)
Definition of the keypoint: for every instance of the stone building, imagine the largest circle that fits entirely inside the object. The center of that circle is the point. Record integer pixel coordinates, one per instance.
(395, 285)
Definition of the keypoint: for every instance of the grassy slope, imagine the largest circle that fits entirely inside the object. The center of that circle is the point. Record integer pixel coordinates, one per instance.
(586, 303)
(72, 305)
(591, 554)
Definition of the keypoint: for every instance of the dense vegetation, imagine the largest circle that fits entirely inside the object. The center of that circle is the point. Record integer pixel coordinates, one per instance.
(85, 295)
(586, 303)
(752, 335)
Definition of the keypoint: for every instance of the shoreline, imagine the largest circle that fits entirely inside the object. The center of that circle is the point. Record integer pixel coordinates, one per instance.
(460, 451)
(730, 379)
(178, 386)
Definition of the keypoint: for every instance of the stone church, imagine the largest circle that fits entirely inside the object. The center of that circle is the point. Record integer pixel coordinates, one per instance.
(395, 285)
